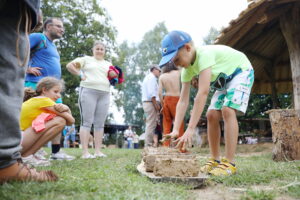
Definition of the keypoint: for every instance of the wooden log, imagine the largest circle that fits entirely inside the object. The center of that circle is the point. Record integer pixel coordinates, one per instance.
(286, 134)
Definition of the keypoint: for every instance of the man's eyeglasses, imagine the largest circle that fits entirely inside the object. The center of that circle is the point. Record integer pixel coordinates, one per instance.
(58, 26)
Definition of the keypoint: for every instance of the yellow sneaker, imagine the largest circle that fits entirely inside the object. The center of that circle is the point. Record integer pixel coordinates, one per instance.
(209, 165)
(225, 168)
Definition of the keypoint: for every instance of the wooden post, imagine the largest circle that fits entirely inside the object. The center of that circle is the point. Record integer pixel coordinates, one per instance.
(290, 26)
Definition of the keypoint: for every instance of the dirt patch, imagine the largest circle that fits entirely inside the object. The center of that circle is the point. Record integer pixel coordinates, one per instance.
(220, 192)
(216, 192)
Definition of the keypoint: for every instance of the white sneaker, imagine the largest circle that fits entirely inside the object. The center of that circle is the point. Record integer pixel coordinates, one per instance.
(40, 154)
(88, 156)
(100, 155)
(61, 156)
(34, 161)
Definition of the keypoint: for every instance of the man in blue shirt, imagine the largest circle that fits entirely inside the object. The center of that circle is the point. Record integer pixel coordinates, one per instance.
(45, 61)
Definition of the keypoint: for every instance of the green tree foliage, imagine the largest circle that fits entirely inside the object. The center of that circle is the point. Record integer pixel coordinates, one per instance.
(84, 22)
(136, 60)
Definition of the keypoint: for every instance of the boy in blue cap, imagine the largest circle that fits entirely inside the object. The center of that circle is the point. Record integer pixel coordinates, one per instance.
(219, 67)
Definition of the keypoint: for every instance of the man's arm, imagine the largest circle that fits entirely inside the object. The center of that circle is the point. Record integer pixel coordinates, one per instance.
(153, 91)
(160, 90)
(34, 39)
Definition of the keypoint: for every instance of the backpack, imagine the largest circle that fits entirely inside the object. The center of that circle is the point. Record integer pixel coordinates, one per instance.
(39, 46)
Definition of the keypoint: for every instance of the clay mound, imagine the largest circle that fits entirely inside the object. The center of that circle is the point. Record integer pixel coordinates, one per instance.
(169, 162)
(176, 167)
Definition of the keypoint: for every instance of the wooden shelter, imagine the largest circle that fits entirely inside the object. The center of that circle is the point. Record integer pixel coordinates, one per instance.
(268, 32)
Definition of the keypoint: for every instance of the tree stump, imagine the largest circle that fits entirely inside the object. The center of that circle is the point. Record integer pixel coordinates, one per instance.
(286, 134)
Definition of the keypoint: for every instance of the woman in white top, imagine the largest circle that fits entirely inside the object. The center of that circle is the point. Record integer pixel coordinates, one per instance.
(94, 96)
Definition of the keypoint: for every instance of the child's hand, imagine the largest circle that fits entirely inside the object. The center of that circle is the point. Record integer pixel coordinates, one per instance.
(186, 140)
(170, 136)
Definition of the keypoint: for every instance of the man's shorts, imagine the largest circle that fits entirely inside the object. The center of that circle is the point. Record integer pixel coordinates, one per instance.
(31, 84)
(236, 94)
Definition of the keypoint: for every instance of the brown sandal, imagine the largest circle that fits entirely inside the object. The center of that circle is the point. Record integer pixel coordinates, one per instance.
(21, 172)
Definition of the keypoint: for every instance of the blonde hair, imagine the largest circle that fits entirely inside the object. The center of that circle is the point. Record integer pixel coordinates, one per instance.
(45, 83)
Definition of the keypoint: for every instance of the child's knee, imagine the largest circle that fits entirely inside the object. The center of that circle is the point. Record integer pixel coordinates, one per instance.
(213, 115)
(228, 112)
(60, 121)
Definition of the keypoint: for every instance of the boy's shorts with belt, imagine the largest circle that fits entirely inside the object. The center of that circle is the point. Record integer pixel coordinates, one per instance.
(233, 91)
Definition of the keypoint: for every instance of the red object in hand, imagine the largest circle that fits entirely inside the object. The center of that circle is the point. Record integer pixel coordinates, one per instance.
(38, 124)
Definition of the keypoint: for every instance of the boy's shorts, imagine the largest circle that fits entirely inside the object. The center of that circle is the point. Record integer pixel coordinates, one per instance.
(236, 94)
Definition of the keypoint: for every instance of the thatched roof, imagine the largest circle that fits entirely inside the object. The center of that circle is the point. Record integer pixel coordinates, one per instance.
(257, 33)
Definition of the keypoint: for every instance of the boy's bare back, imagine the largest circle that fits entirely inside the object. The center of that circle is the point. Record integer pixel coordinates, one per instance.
(170, 82)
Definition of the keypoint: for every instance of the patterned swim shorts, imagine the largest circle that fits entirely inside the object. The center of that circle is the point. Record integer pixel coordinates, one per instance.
(236, 94)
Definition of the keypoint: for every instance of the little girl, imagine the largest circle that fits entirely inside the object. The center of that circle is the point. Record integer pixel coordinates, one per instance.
(37, 104)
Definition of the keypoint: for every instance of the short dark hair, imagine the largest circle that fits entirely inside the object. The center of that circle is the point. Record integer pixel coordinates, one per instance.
(49, 20)
(153, 67)
(170, 66)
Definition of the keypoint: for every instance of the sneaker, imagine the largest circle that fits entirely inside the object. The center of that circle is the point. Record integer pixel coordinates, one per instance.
(88, 156)
(209, 165)
(40, 154)
(225, 168)
(100, 155)
(35, 161)
(61, 156)
(21, 172)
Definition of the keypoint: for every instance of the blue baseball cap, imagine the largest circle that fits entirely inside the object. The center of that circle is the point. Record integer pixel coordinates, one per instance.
(171, 43)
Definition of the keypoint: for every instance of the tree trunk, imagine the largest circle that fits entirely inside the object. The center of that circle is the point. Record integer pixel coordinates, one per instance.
(286, 134)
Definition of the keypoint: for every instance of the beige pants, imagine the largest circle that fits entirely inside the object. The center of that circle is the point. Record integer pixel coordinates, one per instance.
(151, 122)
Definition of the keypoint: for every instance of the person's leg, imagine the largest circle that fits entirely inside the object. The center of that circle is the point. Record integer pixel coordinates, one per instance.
(151, 119)
(56, 143)
(98, 139)
(231, 131)
(155, 140)
(14, 52)
(235, 100)
(66, 141)
(167, 119)
(173, 112)
(101, 112)
(87, 104)
(11, 84)
(214, 132)
(32, 141)
(84, 135)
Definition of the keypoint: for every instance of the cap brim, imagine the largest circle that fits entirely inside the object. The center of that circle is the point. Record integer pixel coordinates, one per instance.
(167, 58)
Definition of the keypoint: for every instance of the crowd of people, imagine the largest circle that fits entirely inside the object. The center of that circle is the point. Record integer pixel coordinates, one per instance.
(42, 116)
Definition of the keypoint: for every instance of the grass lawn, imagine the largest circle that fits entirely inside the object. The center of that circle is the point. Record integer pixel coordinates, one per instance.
(116, 177)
